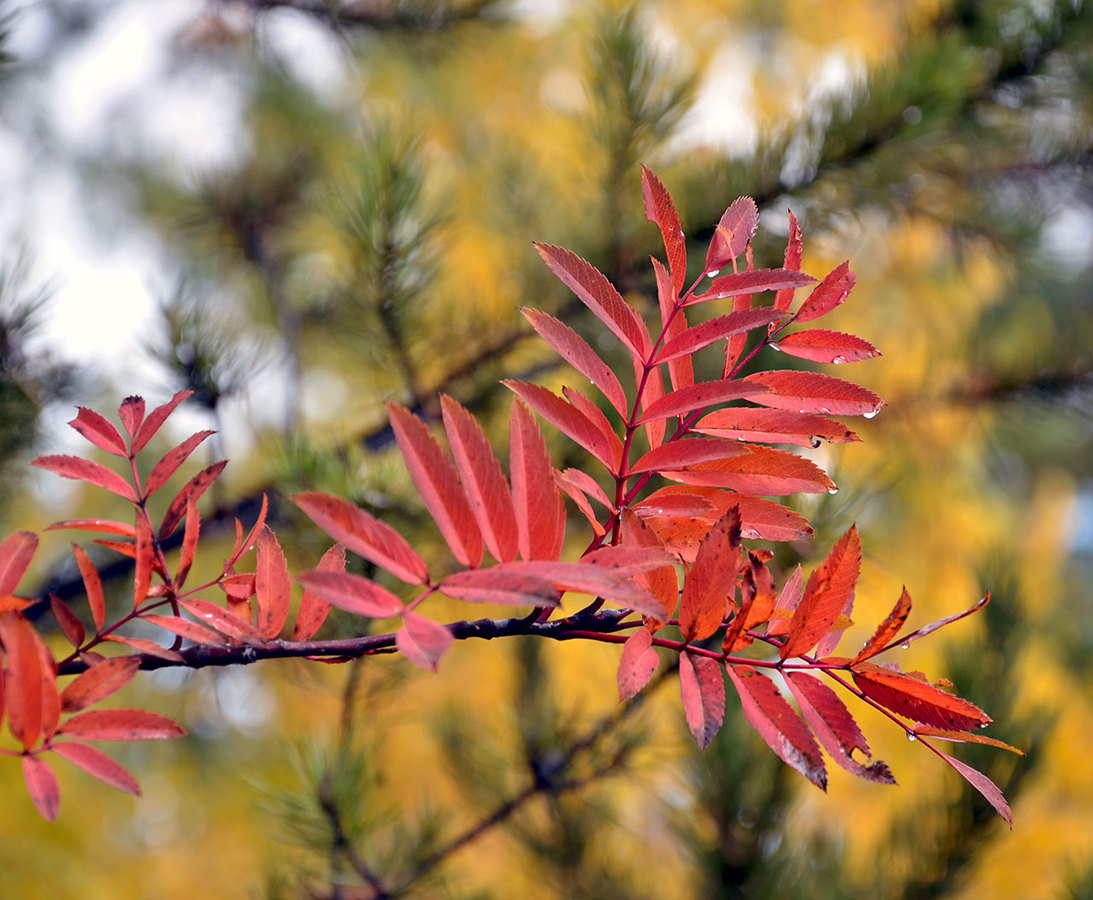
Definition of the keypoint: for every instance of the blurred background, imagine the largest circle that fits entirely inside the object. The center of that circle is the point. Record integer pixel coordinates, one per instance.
(299, 209)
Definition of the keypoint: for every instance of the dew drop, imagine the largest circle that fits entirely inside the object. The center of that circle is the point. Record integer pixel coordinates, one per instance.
(871, 413)
(713, 273)
(839, 359)
(825, 410)
(775, 347)
(815, 442)
(906, 645)
(833, 490)
(911, 737)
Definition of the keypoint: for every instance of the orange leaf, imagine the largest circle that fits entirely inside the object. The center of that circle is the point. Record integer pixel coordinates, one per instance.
(143, 646)
(708, 586)
(964, 737)
(828, 594)
(887, 629)
(192, 631)
(663, 582)
(107, 525)
(828, 294)
(759, 470)
(510, 588)
(69, 622)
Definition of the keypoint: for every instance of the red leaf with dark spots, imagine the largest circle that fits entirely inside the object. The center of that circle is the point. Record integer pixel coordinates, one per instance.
(99, 431)
(131, 413)
(80, 469)
(42, 787)
(99, 682)
(917, 700)
(637, 663)
(773, 426)
(828, 294)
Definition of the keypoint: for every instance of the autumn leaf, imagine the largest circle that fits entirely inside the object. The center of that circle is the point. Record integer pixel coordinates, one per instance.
(702, 687)
(637, 663)
(707, 589)
(828, 594)
(917, 700)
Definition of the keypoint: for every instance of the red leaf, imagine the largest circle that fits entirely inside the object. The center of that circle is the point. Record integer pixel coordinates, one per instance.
(571, 421)
(784, 297)
(709, 332)
(224, 621)
(587, 484)
(599, 295)
(51, 700)
(423, 641)
(69, 622)
(983, 784)
(628, 560)
(149, 647)
(702, 687)
(761, 470)
(753, 281)
(708, 586)
(107, 525)
(828, 594)
(23, 681)
(686, 452)
(42, 787)
(663, 582)
(190, 537)
(660, 210)
(733, 233)
(676, 500)
(536, 500)
(16, 553)
(121, 725)
(97, 764)
(833, 724)
(365, 535)
(674, 322)
(510, 588)
(353, 593)
(155, 420)
(272, 588)
(828, 294)
(783, 730)
(887, 629)
(576, 351)
(788, 600)
(637, 663)
(92, 586)
(823, 346)
(773, 426)
(238, 587)
(99, 682)
(766, 520)
(145, 557)
(653, 391)
(171, 460)
(131, 412)
(99, 431)
(592, 412)
(80, 469)
(585, 578)
(811, 392)
(314, 609)
(437, 482)
(578, 497)
(242, 545)
(192, 631)
(917, 700)
(195, 487)
(697, 396)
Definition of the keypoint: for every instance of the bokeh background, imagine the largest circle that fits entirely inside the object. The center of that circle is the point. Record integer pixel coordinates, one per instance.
(302, 208)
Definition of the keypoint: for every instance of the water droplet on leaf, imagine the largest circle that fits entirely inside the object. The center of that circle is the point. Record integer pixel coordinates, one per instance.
(839, 359)
(775, 347)
(910, 736)
(815, 442)
(713, 273)
(906, 645)
(871, 413)
(833, 490)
